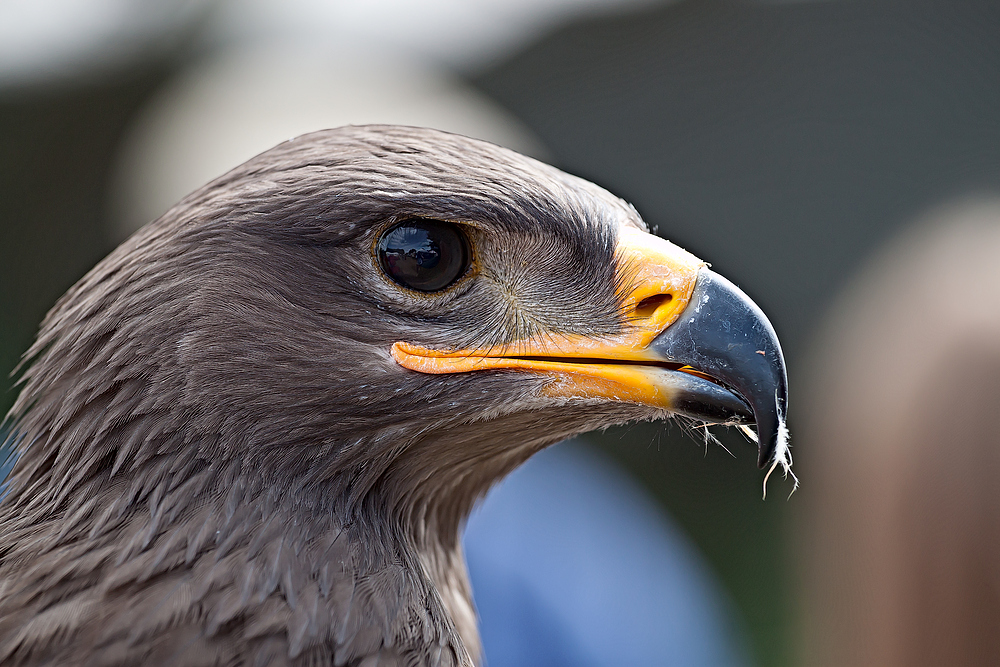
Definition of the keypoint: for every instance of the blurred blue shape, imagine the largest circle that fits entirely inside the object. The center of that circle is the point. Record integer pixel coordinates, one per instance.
(572, 564)
(8, 456)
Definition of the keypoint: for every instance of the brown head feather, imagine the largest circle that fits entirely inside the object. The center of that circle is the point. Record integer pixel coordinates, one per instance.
(219, 461)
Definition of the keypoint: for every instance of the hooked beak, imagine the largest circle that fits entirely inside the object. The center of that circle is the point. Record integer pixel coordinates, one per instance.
(724, 335)
(694, 345)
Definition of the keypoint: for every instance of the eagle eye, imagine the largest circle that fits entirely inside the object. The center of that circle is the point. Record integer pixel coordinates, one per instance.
(423, 255)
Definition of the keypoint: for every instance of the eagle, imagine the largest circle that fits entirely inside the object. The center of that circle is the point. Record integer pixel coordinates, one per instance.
(252, 434)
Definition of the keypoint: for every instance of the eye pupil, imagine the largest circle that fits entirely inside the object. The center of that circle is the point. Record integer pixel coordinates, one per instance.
(423, 255)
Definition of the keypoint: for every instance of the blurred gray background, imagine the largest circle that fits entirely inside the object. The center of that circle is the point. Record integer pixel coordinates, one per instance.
(785, 142)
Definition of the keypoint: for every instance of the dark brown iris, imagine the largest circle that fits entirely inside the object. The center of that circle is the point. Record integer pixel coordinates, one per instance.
(423, 255)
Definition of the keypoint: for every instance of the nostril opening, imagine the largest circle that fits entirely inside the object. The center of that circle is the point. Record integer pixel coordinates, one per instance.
(648, 306)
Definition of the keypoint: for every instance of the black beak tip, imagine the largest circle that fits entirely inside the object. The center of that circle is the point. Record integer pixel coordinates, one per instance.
(765, 387)
(767, 440)
(723, 333)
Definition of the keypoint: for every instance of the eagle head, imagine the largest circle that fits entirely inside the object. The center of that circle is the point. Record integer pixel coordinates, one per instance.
(256, 428)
